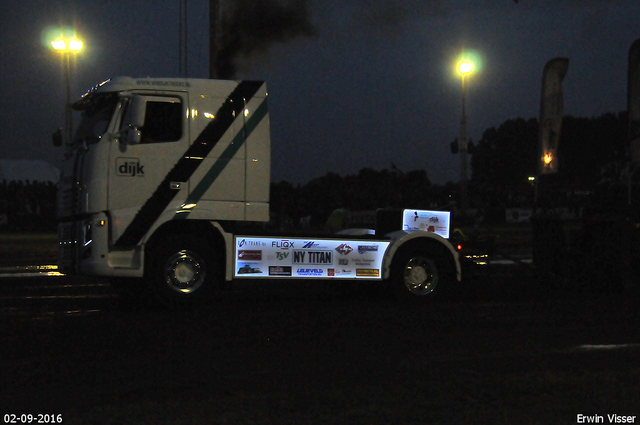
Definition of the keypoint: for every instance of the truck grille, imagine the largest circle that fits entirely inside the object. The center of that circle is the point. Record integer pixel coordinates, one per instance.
(66, 200)
(67, 242)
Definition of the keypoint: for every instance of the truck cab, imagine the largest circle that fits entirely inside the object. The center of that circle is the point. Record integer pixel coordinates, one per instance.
(149, 151)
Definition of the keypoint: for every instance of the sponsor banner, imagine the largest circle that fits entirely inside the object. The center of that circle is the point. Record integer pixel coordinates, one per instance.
(339, 273)
(250, 243)
(279, 270)
(368, 272)
(309, 272)
(249, 255)
(313, 257)
(429, 221)
(344, 249)
(366, 248)
(247, 269)
(308, 258)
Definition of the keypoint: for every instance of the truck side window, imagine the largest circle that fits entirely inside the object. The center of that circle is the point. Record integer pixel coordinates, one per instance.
(163, 122)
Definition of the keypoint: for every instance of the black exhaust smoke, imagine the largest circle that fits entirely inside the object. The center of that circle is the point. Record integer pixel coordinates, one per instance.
(250, 26)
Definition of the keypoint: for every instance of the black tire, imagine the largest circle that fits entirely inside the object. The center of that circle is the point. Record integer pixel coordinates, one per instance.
(185, 271)
(417, 274)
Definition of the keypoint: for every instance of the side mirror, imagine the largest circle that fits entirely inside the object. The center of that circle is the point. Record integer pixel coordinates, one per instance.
(133, 136)
(57, 137)
(136, 112)
(134, 120)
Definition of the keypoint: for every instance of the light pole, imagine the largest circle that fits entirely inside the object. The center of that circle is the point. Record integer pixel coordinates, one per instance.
(67, 48)
(465, 69)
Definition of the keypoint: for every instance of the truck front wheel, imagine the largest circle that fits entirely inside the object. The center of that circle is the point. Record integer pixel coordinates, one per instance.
(186, 271)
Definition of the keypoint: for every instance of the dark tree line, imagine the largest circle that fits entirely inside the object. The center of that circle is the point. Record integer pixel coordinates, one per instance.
(365, 191)
(592, 156)
(501, 164)
(27, 206)
(593, 151)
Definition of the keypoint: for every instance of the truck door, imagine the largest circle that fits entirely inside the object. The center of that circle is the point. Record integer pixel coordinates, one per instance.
(138, 171)
(218, 184)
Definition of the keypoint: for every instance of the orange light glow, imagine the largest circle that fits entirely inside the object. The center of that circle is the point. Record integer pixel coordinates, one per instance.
(548, 158)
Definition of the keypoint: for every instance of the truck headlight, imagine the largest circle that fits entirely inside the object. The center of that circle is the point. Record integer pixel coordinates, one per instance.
(87, 233)
(86, 237)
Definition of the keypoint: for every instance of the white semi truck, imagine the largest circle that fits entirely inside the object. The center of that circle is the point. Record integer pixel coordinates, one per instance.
(167, 181)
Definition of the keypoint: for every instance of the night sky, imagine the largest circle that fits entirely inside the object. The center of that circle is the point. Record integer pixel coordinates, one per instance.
(370, 84)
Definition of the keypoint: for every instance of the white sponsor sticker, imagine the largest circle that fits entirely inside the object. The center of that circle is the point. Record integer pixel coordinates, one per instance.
(429, 221)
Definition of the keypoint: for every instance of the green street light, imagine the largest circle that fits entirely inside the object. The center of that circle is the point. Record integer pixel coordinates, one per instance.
(465, 68)
(67, 48)
(59, 44)
(73, 45)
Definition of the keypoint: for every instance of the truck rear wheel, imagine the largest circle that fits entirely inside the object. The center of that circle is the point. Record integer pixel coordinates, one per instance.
(417, 274)
(185, 271)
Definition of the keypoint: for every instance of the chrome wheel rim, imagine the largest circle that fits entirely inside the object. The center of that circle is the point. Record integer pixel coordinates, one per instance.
(185, 271)
(420, 276)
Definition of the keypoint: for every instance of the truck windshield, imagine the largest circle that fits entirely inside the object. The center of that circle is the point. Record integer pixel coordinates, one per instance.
(96, 116)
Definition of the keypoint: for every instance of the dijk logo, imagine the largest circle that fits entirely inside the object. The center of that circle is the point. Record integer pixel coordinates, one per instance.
(129, 167)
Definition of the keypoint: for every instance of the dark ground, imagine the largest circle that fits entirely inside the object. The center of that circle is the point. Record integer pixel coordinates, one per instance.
(499, 349)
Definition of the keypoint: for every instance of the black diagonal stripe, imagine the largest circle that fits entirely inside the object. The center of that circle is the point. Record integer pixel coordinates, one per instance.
(188, 163)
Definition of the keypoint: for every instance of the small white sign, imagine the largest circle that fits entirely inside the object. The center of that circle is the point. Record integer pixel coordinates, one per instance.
(429, 221)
